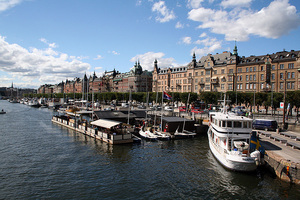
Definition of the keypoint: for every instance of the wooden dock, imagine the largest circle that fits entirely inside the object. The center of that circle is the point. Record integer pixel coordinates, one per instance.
(282, 154)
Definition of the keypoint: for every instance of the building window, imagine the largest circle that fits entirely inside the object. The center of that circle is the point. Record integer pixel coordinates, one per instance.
(201, 80)
(254, 86)
(247, 78)
(262, 86)
(190, 74)
(250, 77)
(222, 86)
(273, 86)
(207, 87)
(281, 66)
(239, 70)
(254, 77)
(208, 64)
(222, 71)
(289, 75)
(215, 71)
(281, 85)
(202, 73)
(293, 75)
(291, 66)
(288, 85)
(292, 85)
(196, 73)
(250, 69)
(230, 71)
(254, 69)
(229, 78)
(262, 68)
(196, 80)
(281, 75)
(273, 67)
(196, 87)
(261, 77)
(207, 72)
(247, 69)
(273, 76)
(247, 86)
(229, 86)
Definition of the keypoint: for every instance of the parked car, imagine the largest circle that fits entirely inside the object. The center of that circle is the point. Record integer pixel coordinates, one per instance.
(109, 108)
(265, 124)
(182, 109)
(141, 107)
(198, 111)
(168, 108)
(239, 110)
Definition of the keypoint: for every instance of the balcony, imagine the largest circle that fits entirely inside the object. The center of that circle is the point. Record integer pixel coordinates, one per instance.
(214, 80)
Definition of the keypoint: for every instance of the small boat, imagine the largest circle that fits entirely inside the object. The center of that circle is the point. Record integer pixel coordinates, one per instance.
(161, 136)
(147, 134)
(184, 134)
(2, 112)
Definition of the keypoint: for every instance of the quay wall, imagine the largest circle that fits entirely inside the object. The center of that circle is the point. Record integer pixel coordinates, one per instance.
(285, 170)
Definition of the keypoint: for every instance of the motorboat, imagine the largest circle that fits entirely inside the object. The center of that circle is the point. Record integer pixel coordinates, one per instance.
(230, 138)
(147, 133)
(184, 134)
(2, 112)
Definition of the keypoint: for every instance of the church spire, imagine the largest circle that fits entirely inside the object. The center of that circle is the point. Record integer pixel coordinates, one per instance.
(235, 49)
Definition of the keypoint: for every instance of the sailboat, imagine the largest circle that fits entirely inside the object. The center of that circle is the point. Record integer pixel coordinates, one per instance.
(184, 133)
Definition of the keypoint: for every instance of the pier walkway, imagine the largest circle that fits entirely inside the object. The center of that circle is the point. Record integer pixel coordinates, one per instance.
(282, 153)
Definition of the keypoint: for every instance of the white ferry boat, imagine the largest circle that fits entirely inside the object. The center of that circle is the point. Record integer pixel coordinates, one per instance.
(229, 138)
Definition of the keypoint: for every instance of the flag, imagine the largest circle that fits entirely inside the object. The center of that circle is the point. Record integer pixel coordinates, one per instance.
(167, 96)
(254, 143)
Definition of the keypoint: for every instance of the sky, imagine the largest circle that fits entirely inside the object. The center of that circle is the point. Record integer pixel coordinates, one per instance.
(49, 41)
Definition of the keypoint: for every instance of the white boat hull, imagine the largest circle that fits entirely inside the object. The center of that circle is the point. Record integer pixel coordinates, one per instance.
(236, 163)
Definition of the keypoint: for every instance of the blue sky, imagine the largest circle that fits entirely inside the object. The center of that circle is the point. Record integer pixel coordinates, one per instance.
(49, 41)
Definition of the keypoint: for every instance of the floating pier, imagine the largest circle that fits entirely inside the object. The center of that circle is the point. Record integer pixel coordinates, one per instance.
(105, 136)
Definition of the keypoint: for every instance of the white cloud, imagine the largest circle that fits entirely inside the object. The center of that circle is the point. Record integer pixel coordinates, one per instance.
(208, 45)
(203, 35)
(51, 45)
(235, 3)
(186, 40)
(147, 60)
(194, 3)
(164, 14)
(37, 65)
(179, 25)
(114, 52)
(98, 57)
(243, 23)
(7, 4)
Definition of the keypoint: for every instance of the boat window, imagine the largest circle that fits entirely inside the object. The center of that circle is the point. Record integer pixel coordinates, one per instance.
(229, 123)
(223, 123)
(244, 124)
(237, 124)
(250, 124)
(220, 123)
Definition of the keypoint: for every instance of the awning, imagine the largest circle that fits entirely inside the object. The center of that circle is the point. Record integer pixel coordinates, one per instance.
(105, 123)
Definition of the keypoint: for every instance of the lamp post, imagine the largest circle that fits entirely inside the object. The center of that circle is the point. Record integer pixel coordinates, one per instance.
(284, 99)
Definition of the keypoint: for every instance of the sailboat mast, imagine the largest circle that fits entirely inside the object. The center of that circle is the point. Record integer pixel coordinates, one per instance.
(161, 111)
(186, 111)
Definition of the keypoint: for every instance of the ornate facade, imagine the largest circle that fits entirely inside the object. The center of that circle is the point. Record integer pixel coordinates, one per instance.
(229, 72)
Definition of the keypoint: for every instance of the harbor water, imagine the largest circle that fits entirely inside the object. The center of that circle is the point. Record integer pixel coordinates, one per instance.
(42, 160)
